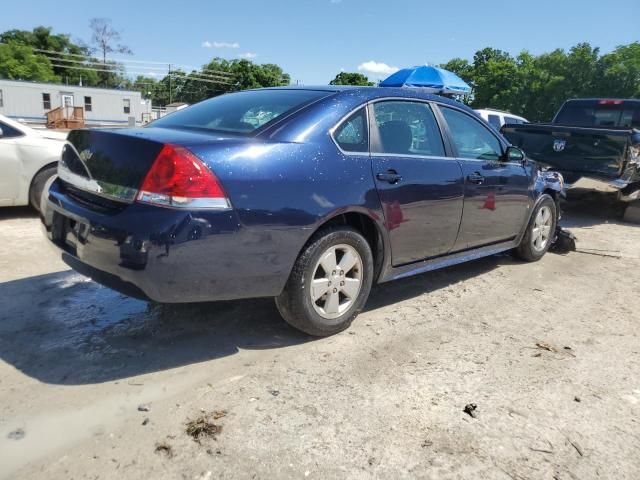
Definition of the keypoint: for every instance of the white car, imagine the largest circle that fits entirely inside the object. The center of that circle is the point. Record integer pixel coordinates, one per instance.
(498, 118)
(28, 159)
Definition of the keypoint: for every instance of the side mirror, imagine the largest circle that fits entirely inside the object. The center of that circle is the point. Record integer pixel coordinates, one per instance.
(514, 154)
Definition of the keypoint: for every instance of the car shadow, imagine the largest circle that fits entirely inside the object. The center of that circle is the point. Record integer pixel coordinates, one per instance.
(62, 328)
(9, 213)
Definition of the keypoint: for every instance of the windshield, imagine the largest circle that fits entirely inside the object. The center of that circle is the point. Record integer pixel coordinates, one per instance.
(242, 112)
(600, 114)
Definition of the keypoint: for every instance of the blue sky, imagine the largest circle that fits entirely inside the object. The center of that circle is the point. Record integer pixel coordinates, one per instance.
(314, 39)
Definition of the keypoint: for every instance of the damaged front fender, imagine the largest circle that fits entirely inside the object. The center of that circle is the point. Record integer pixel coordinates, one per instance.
(550, 181)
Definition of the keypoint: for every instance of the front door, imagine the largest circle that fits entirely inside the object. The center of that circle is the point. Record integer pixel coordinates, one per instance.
(10, 165)
(67, 100)
(421, 190)
(497, 197)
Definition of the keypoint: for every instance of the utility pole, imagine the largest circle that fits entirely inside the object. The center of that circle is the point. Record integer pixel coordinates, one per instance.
(170, 96)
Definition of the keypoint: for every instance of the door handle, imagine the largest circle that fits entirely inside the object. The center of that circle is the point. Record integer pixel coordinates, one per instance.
(475, 178)
(390, 176)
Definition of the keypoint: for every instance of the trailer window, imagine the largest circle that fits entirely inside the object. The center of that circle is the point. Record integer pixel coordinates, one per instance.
(46, 101)
(1, 99)
(127, 105)
(87, 104)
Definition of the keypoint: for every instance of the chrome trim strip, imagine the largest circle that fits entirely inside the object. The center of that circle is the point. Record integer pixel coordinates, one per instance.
(404, 99)
(97, 187)
(167, 201)
(409, 155)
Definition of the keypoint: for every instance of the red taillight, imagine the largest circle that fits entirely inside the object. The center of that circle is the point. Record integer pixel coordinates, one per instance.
(610, 102)
(178, 178)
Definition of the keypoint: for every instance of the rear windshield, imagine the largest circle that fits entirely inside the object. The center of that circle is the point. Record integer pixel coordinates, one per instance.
(596, 114)
(241, 112)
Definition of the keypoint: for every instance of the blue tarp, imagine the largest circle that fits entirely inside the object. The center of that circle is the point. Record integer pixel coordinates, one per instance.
(435, 79)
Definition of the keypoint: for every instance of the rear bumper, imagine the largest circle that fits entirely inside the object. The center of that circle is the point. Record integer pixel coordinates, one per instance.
(162, 254)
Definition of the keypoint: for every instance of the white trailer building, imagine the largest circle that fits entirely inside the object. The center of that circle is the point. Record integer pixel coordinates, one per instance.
(29, 102)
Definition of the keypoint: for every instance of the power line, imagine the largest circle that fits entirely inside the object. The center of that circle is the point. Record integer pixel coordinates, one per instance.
(123, 60)
(143, 69)
(171, 76)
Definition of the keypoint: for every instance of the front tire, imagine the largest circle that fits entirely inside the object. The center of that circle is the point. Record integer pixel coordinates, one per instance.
(329, 284)
(540, 231)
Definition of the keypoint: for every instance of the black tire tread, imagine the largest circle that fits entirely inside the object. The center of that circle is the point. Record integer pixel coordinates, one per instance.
(290, 302)
(38, 183)
(525, 250)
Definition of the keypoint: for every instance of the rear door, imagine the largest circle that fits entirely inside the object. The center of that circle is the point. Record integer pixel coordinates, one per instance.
(496, 194)
(420, 188)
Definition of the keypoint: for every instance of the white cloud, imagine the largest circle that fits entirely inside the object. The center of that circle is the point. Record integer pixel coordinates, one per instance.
(248, 55)
(377, 68)
(208, 44)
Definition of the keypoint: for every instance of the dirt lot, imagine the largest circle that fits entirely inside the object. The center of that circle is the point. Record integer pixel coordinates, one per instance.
(96, 385)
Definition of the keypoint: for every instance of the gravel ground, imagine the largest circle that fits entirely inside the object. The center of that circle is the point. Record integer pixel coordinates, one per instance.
(97, 385)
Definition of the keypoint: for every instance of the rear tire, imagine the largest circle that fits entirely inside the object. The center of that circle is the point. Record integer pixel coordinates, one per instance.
(37, 185)
(540, 231)
(329, 284)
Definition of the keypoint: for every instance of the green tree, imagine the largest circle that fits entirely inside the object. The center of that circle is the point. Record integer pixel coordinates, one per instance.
(619, 72)
(19, 62)
(495, 79)
(351, 78)
(65, 56)
(460, 67)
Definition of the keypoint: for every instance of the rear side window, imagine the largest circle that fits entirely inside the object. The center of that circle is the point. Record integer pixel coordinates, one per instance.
(593, 114)
(352, 134)
(512, 120)
(472, 139)
(407, 128)
(495, 121)
(241, 112)
(9, 132)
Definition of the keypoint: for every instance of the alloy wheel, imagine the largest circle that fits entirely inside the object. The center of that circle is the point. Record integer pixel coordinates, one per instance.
(337, 279)
(542, 225)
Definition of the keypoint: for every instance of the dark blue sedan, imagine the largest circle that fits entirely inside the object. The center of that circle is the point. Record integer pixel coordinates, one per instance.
(308, 195)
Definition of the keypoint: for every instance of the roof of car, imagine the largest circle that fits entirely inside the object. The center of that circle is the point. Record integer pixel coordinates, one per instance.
(495, 110)
(377, 92)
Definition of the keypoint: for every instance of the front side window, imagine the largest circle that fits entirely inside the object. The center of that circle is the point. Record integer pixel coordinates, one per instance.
(407, 128)
(9, 132)
(87, 104)
(127, 105)
(512, 120)
(495, 121)
(241, 112)
(352, 134)
(46, 101)
(471, 138)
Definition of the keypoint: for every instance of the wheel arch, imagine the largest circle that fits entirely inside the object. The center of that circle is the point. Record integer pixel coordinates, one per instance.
(367, 225)
(53, 163)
